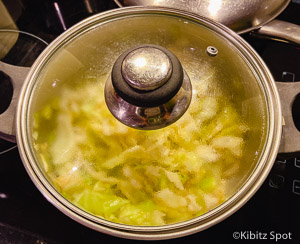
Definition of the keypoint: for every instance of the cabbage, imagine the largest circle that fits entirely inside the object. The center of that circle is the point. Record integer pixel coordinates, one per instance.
(139, 177)
(101, 203)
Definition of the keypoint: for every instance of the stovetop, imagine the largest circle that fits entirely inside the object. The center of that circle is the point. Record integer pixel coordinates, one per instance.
(27, 217)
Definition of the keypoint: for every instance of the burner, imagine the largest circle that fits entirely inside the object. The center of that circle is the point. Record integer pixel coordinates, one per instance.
(6, 146)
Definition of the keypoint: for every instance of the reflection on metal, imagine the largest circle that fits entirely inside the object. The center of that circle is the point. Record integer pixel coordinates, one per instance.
(214, 7)
(146, 68)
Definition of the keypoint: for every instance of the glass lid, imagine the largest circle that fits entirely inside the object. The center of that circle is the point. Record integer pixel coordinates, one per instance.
(129, 154)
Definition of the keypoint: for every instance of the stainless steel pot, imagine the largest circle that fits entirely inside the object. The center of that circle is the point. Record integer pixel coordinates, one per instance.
(92, 46)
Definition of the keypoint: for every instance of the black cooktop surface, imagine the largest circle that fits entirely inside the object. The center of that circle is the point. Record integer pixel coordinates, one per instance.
(27, 217)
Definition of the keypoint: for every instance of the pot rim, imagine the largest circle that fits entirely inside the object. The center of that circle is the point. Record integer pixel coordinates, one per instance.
(231, 205)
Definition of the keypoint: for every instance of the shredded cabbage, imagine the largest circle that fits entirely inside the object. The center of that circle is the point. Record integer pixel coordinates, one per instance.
(139, 177)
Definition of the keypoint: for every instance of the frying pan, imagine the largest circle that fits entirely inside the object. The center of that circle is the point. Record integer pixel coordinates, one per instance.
(241, 16)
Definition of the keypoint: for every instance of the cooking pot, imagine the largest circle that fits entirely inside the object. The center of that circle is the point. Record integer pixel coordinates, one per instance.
(241, 16)
(203, 76)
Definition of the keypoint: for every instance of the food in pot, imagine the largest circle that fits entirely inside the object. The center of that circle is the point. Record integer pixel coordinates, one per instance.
(138, 177)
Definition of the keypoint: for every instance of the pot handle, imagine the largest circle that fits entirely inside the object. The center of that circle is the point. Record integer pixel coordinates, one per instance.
(290, 141)
(17, 76)
(280, 30)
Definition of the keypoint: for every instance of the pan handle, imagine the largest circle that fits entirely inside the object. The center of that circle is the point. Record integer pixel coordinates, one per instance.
(290, 142)
(17, 76)
(280, 30)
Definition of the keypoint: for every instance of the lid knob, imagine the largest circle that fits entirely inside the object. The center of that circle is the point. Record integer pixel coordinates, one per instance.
(148, 88)
(146, 68)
